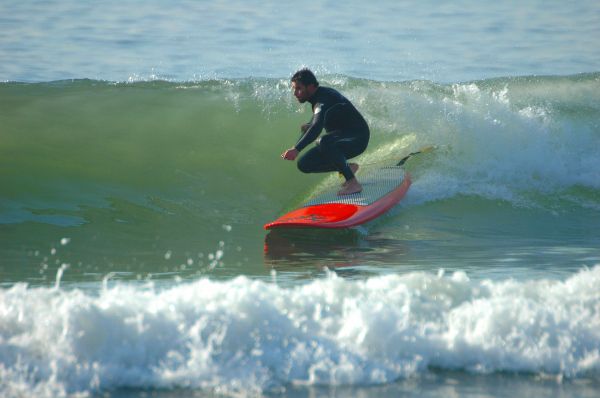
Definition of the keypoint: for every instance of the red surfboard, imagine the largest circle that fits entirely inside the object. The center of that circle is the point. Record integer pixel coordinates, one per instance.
(382, 189)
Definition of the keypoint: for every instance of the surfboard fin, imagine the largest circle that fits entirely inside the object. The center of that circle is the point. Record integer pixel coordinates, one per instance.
(422, 150)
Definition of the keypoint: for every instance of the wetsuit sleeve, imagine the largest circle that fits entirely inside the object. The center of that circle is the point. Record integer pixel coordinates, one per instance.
(313, 131)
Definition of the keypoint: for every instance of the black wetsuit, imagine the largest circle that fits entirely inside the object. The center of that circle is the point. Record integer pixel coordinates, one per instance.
(347, 134)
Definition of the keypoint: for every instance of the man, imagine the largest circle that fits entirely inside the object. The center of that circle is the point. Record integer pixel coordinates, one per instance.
(347, 132)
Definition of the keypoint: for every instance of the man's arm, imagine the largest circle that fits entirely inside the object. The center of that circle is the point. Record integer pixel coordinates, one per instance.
(313, 130)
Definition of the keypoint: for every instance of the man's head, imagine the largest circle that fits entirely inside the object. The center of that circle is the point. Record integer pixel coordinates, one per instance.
(304, 84)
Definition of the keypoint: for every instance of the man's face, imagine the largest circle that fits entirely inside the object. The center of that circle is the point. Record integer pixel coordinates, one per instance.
(302, 92)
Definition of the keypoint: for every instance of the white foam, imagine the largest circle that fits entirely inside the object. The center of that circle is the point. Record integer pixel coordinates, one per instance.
(495, 140)
(255, 336)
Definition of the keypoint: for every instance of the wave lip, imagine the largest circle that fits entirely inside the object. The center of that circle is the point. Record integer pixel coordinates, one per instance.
(255, 336)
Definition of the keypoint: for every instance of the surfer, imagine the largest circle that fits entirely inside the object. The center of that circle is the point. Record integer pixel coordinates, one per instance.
(347, 132)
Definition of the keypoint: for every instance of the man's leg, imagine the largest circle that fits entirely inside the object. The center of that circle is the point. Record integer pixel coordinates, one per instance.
(332, 147)
(314, 161)
(341, 149)
(331, 154)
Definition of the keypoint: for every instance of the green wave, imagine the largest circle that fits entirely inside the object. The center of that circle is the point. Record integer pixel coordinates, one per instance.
(156, 177)
(69, 144)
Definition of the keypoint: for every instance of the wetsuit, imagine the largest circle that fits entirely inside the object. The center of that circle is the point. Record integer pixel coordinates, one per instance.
(347, 134)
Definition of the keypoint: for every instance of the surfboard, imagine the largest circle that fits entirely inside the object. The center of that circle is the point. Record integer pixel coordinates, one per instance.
(382, 189)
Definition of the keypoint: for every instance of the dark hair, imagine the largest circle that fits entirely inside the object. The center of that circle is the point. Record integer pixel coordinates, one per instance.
(306, 77)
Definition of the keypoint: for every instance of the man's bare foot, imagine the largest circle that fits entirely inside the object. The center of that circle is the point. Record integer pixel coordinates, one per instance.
(354, 167)
(350, 187)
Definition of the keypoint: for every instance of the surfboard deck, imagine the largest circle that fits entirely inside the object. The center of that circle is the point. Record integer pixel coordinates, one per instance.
(382, 189)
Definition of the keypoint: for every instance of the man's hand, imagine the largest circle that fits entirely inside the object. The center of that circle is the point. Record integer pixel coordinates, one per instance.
(290, 154)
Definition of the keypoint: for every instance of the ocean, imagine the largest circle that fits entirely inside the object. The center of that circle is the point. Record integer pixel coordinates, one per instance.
(140, 148)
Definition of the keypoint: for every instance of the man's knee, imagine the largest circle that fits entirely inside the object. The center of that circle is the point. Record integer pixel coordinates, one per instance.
(303, 165)
(326, 143)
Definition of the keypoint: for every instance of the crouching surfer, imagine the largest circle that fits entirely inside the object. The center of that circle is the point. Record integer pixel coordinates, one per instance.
(346, 132)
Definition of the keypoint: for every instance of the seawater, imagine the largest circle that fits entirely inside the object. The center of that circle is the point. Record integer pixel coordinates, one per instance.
(139, 159)
(133, 254)
(387, 40)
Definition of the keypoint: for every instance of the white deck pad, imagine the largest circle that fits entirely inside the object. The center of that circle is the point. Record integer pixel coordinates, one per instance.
(376, 184)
